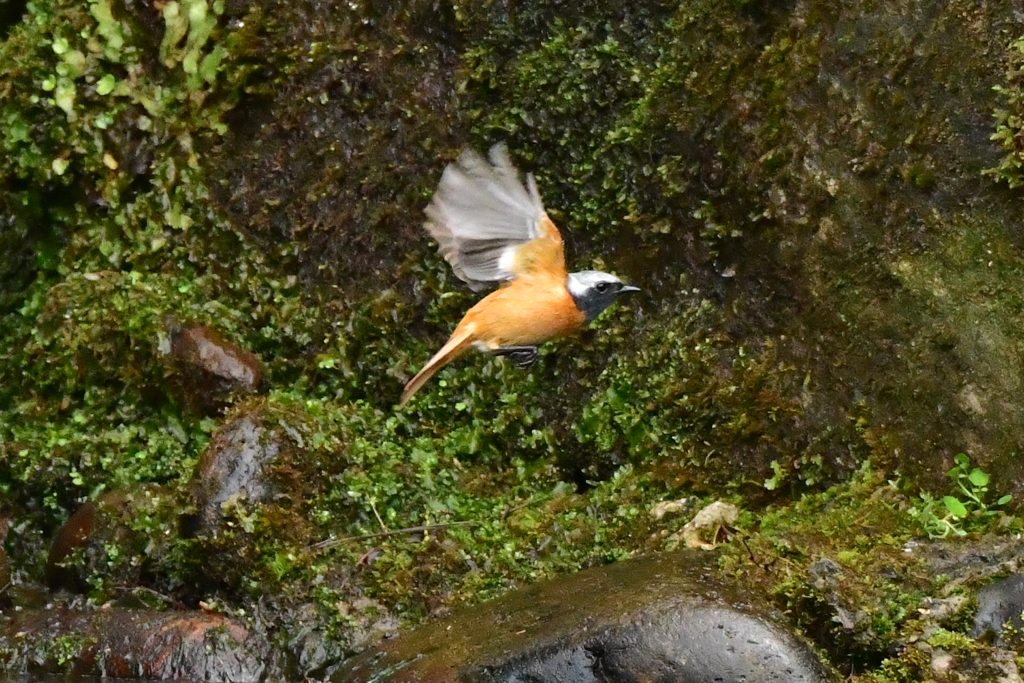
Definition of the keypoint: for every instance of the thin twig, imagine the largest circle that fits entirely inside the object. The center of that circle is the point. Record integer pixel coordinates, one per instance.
(535, 498)
(137, 589)
(331, 542)
(373, 506)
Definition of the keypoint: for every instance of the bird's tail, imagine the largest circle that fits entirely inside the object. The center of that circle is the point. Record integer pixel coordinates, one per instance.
(460, 340)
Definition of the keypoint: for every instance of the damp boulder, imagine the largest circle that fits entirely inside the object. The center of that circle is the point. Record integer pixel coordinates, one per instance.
(208, 369)
(82, 547)
(1000, 605)
(253, 485)
(244, 464)
(669, 617)
(136, 644)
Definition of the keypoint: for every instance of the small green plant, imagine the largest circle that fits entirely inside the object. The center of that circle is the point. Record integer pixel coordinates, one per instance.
(1010, 121)
(63, 650)
(961, 513)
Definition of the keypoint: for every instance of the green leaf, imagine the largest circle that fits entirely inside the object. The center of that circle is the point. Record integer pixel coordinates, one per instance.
(1004, 500)
(978, 478)
(105, 85)
(955, 507)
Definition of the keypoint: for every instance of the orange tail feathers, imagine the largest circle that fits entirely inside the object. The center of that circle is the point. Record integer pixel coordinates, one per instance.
(455, 346)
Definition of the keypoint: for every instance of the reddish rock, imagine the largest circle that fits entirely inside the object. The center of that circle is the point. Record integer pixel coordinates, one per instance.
(93, 526)
(75, 534)
(142, 644)
(208, 369)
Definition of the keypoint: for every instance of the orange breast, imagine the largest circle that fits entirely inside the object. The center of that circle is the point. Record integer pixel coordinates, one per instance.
(529, 311)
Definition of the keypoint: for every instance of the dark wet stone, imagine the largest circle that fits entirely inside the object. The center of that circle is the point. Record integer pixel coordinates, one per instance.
(208, 368)
(236, 467)
(661, 618)
(824, 572)
(75, 534)
(256, 467)
(1000, 604)
(145, 644)
(94, 526)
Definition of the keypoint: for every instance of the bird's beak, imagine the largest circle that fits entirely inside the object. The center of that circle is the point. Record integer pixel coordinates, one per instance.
(628, 289)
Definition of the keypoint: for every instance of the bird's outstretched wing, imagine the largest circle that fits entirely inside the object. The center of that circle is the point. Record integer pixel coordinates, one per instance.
(488, 226)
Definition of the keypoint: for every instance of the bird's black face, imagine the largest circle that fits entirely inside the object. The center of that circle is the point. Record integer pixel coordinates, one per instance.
(594, 291)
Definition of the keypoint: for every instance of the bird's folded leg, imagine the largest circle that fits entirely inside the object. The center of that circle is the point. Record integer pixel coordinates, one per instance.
(522, 356)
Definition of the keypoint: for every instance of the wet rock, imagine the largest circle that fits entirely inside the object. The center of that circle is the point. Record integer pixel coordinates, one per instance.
(252, 486)
(96, 527)
(824, 572)
(664, 618)
(75, 534)
(237, 467)
(136, 644)
(209, 369)
(1000, 604)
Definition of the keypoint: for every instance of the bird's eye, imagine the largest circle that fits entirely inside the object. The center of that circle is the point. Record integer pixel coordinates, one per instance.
(601, 287)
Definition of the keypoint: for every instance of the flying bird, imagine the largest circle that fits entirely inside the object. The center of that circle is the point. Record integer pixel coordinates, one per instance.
(493, 229)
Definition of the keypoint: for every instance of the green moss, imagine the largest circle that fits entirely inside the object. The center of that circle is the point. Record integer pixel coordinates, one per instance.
(65, 649)
(857, 531)
(671, 143)
(57, 653)
(690, 398)
(1010, 120)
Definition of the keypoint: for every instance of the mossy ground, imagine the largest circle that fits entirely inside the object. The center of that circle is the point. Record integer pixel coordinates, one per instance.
(808, 243)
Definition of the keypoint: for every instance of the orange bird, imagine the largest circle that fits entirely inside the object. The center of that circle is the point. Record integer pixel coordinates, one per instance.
(492, 229)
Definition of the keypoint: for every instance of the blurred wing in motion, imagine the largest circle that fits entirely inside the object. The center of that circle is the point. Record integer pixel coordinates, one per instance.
(488, 226)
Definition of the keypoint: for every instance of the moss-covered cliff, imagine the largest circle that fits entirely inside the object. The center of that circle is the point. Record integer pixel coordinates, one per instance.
(802, 190)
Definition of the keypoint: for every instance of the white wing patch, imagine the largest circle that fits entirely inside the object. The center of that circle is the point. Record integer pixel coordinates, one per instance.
(507, 259)
(480, 214)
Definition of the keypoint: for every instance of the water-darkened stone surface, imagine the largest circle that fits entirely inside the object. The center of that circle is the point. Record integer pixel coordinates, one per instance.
(1000, 604)
(75, 534)
(120, 643)
(663, 618)
(209, 368)
(98, 528)
(236, 467)
(254, 484)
